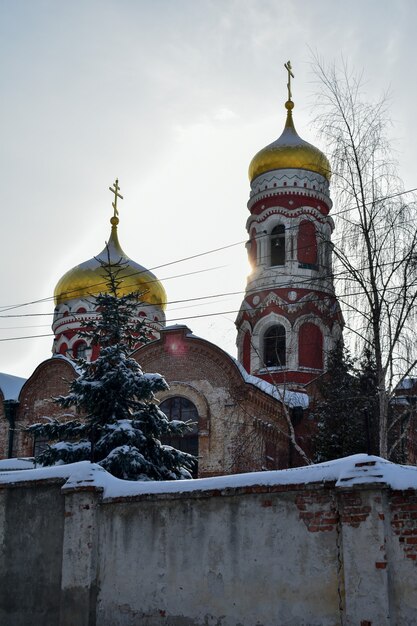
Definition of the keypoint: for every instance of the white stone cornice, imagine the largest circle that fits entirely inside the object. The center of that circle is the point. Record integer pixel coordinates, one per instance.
(290, 181)
(292, 215)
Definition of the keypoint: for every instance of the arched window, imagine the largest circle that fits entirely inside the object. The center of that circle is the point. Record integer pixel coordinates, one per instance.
(79, 351)
(179, 408)
(307, 244)
(310, 346)
(278, 245)
(275, 346)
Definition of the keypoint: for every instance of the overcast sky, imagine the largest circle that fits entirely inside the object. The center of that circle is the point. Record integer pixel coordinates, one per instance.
(174, 97)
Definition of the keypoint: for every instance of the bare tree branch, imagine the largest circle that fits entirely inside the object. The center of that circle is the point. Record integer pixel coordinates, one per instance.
(378, 243)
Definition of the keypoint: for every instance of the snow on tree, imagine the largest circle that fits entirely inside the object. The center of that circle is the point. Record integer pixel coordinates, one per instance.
(122, 426)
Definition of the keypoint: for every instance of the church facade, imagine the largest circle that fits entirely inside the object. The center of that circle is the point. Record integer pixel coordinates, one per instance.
(247, 410)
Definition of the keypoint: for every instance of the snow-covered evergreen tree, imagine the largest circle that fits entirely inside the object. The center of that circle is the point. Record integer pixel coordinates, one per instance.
(122, 425)
(341, 413)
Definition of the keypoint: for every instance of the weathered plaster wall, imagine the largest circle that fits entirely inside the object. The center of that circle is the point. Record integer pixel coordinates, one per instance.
(31, 535)
(234, 551)
(215, 560)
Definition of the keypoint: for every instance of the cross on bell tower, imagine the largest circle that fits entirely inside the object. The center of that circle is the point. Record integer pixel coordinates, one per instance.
(290, 318)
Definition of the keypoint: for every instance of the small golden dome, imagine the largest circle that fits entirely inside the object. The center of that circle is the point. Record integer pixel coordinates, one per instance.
(289, 151)
(89, 278)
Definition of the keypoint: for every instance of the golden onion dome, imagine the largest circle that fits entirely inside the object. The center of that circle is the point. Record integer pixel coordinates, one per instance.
(289, 151)
(90, 279)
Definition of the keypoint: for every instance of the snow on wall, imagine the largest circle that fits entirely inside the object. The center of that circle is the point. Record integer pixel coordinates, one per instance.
(320, 545)
(358, 469)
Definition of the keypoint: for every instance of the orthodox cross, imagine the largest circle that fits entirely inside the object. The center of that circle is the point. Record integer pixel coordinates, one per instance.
(288, 67)
(115, 189)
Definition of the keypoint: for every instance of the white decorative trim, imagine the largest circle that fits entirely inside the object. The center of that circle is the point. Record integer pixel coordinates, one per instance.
(72, 322)
(292, 215)
(272, 319)
(277, 182)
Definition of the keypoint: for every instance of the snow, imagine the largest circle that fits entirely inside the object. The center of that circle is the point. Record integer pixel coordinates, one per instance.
(176, 327)
(359, 469)
(71, 447)
(152, 377)
(290, 398)
(7, 465)
(407, 383)
(73, 364)
(401, 400)
(11, 386)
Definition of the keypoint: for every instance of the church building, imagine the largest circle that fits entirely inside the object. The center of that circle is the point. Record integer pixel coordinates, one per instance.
(249, 411)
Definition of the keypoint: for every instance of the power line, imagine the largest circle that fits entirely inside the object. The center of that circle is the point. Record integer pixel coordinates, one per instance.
(191, 257)
(217, 295)
(302, 283)
(218, 313)
(155, 280)
(306, 281)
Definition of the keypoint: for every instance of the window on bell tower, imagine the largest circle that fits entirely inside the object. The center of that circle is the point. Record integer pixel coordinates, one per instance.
(275, 346)
(278, 245)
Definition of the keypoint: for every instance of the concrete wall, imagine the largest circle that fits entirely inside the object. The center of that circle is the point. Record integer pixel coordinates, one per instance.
(260, 552)
(31, 537)
(216, 560)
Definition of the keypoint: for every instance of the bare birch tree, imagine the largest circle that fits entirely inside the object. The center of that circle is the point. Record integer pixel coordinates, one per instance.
(376, 234)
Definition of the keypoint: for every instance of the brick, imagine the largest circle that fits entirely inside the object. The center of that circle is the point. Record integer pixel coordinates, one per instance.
(209, 378)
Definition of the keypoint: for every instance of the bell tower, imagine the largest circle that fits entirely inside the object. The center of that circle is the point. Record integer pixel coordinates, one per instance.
(290, 318)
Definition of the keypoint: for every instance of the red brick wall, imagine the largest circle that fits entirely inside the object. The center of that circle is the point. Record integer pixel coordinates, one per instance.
(238, 429)
(403, 505)
(50, 379)
(245, 424)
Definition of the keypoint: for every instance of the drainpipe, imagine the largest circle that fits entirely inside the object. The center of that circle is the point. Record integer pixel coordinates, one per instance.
(10, 410)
